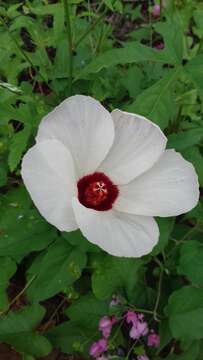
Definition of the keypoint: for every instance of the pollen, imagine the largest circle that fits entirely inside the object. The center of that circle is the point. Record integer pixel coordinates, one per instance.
(97, 191)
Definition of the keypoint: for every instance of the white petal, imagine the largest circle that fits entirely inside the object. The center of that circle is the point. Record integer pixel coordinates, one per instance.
(48, 174)
(137, 146)
(117, 233)
(85, 127)
(170, 188)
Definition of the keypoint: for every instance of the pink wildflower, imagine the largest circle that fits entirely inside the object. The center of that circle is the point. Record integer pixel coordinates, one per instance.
(131, 317)
(105, 325)
(156, 10)
(138, 330)
(98, 348)
(142, 357)
(153, 340)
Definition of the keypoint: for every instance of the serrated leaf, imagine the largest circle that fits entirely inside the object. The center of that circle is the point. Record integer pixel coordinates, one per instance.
(185, 139)
(156, 102)
(18, 146)
(172, 33)
(58, 268)
(133, 52)
(18, 329)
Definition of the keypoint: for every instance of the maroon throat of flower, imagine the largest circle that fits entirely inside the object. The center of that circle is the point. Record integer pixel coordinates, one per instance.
(97, 191)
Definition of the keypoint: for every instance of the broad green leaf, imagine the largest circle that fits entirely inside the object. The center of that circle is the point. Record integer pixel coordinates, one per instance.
(8, 269)
(87, 311)
(57, 269)
(69, 337)
(157, 102)
(190, 354)
(191, 261)
(132, 52)
(22, 228)
(165, 229)
(75, 238)
(18, 146)
(185, 139)
(18, 329)
(115, 274)
(185, 310)
(195, 157)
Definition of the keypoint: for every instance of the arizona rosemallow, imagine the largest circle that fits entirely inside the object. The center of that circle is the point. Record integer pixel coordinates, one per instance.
(107, 174)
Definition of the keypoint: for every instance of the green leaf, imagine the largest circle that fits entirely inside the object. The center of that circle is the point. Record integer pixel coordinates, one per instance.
(165, 227)
(191, 260)
(58, 268)
(156, 102)
(172, 33)
(69, 335)
(8, 269)
(195, 157)
(18, 146)
(75, 238)
(194, 69)
(185, 310)
(185, 139)
(18, 330)
(190, 354)
(132, 52)
(115, 274)
(22, 228)
(87, 311)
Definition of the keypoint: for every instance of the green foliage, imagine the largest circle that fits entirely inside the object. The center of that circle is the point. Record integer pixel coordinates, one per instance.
(8, 269)
(186, 313)
(128, 59)
(115, 275)
(18, 329)
(58, 268)
(191, 260)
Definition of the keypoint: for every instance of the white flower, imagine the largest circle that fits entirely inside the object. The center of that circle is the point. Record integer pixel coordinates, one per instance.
(107, 174)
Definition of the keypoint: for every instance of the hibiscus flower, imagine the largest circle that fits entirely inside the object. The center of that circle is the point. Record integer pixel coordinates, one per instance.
(107, 174)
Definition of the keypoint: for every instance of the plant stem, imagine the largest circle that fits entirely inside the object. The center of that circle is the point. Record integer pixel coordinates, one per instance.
(70, 43)
(158, 291)
(19, 294)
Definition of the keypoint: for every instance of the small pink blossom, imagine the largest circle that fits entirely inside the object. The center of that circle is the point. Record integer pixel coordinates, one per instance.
(142, 357)
(98, 348)
(115, 301)
(159, 45)
(102, 357)
(153, 340)
(138, 330)
(131, 317)
(156, 10)
(105, 325)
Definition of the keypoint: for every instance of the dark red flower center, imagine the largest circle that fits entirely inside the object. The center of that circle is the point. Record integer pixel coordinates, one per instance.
(97, 191)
